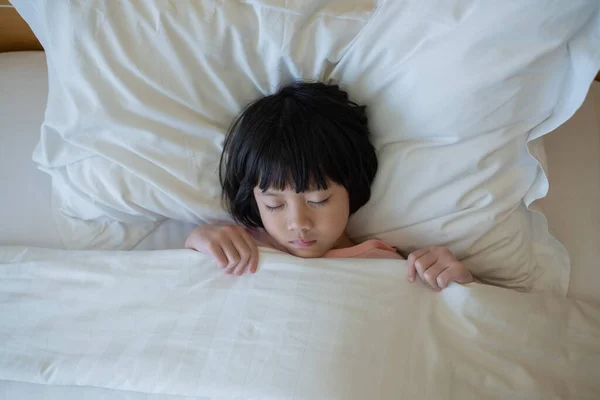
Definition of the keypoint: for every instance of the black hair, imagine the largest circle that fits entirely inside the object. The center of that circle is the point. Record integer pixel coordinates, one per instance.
(300, 137)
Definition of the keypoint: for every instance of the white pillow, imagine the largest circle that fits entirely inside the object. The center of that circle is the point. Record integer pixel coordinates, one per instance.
(453, 104)
(142, 92)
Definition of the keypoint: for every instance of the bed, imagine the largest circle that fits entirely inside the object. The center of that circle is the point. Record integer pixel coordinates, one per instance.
(159, 322)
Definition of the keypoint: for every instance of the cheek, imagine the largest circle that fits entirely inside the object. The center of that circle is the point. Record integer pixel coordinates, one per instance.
(342, 213)
(342, 218)
(271, 220)
(335, 219)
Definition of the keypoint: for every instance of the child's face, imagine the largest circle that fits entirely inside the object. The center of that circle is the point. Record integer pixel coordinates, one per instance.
(307, 224)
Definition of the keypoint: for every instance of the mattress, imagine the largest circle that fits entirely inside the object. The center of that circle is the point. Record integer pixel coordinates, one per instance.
(572, 205)
(25, 212)
(573, 155)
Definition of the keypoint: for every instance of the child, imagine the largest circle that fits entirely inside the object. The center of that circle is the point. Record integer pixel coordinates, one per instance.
(295, 166)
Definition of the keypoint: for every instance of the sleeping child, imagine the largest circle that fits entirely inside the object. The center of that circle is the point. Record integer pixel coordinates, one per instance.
(295, 166)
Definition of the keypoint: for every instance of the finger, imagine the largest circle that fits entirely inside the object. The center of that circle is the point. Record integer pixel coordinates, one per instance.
(412, 257)
(233, 257)
(411, 273)
(244, 252)
(456, 272)
(433, 272)
(253, 261)
(410, 262)
(244, 258)
(423, 263)
(240, 269)
(217, 253)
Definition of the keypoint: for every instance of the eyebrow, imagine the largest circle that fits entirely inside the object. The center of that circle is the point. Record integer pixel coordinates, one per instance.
(270, 194)
(279, 194)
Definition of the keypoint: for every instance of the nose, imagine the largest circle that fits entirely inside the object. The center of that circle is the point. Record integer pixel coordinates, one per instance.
(299, 219)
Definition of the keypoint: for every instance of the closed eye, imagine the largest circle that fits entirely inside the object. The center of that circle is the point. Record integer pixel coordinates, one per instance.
(319, 203)
(269, 208)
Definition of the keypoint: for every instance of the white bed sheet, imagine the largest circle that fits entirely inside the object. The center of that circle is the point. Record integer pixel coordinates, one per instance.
(169, 322)
(26, 215)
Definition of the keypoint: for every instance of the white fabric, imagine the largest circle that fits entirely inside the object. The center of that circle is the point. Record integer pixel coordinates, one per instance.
(171, 322)
(21, 390)
(453, 104)
(140, 94)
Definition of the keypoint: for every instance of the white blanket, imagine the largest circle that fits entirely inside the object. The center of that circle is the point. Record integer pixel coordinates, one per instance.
(166, 323)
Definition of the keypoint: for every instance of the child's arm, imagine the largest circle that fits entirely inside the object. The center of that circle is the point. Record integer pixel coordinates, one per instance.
(437, 266)
(231, 245)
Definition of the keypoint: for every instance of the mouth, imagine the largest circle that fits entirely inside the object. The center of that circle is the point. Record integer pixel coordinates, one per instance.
(303, 244)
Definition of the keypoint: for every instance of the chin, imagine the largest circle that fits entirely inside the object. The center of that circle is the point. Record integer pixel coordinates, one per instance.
(307, 253)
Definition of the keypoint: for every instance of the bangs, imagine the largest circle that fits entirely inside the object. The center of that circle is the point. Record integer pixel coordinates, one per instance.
(295, 166)
(300, 150)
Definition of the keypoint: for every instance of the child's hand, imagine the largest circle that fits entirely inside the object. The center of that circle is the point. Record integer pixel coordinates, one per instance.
(232, 247)
(437, 266)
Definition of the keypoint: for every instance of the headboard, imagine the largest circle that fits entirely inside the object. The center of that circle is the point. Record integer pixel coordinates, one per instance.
(15, 34)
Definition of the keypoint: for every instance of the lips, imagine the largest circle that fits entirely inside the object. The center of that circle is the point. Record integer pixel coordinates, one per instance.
(303, 243)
